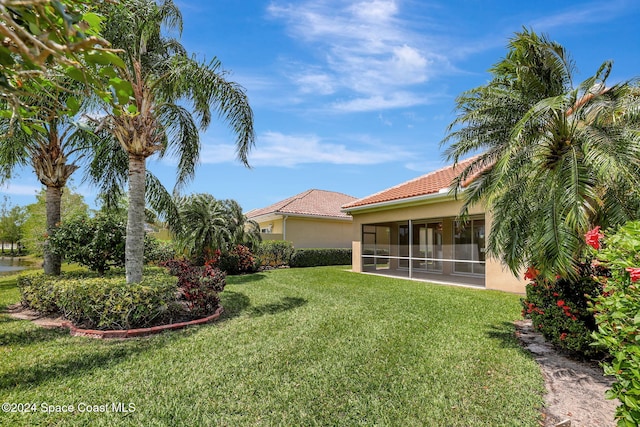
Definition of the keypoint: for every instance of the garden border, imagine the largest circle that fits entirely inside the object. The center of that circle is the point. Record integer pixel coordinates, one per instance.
(140, 332)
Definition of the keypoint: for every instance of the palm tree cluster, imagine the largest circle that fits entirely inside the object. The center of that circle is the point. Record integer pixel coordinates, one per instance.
(555, 158)
(161, 98)
(205, 224)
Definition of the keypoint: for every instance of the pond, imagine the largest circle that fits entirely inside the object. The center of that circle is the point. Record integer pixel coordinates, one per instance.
(11, 264)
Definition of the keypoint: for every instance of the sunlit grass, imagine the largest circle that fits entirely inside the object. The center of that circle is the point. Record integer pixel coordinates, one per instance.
(318, 346)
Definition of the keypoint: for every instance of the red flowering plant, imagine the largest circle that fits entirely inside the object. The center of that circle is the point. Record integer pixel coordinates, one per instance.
(617, 315)
(558, 308)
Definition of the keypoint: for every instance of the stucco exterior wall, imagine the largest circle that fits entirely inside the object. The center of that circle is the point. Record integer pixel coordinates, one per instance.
(308, 232)
(497, 275)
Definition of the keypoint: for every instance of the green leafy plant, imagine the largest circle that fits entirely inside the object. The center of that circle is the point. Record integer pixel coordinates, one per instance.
(238, 260)
(320, 257)
(558, 308)
(274, 253)
(102, 302)
(617, 317)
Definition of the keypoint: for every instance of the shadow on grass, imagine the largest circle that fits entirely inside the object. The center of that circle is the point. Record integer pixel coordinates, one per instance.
(505, 333)
(285, 304)
(236, 303)
(27, 337)
(245, 278)
(73, 358)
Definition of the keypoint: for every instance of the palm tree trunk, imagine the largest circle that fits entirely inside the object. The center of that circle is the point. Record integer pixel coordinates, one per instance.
(134, 249)
(53, 197)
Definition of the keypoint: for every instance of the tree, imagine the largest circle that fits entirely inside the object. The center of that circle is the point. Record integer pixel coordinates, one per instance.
(72, 205)
(202, 226)
(174, 96)
(555, 158)
(11, 225)
(53, 149)
(42, 41)
(242, 231)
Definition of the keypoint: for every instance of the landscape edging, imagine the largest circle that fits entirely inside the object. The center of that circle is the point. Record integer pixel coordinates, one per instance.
(140, 332)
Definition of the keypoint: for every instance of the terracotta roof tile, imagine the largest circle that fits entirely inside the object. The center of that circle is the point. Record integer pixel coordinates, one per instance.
(311, 202)
(430, 183)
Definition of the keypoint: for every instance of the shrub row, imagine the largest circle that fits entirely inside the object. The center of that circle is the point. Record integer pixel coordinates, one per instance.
(320, 257)
(102, 302)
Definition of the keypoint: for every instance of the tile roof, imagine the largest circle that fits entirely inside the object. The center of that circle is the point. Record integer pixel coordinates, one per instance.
(309, 203)
(424, 185)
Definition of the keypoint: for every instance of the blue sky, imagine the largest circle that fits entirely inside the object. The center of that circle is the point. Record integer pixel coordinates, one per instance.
(355, 96)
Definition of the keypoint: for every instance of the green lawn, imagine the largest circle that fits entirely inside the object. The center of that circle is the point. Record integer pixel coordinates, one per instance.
(295, 347)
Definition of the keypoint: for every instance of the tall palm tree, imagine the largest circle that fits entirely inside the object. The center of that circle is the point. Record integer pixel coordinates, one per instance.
(174, 96)
(555, 158)
(53, 149)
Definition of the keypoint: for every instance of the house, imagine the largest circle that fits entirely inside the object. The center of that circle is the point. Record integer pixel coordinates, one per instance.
(410, 230)
(311, 219)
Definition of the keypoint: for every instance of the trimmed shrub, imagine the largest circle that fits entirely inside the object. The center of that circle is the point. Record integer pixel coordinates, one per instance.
(238, 260)
(320, 257)
(559, 310)
(102, 302)
(617, 316)
(274, 253)
(37, 292)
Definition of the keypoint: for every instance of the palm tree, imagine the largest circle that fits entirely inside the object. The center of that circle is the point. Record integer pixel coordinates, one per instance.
(174, 96)
(242, 231)
(53, 149)
(202, 226)
(555, 159)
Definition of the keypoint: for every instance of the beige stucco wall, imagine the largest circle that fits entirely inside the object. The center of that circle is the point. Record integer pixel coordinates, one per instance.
(309, 232)
(497, 275)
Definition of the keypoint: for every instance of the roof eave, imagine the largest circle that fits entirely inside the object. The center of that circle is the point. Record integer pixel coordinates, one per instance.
(441, 196)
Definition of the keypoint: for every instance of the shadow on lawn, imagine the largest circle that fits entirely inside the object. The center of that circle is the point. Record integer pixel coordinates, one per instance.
(285, 304)
(27, 337)
(245, 278)
(506, 333)
(75, 357)
(236, 303)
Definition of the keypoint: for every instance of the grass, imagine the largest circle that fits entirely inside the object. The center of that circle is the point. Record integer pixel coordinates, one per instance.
(318, 346)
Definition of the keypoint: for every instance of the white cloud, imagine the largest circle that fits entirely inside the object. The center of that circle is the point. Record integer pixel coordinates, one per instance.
(20, 189)
(280, 150)
(365, 49)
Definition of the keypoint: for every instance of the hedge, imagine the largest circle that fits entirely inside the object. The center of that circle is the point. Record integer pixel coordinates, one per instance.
(320, 257)
(102, 302)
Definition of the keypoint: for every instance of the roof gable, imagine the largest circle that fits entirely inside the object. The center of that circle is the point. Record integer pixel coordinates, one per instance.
(313, 202)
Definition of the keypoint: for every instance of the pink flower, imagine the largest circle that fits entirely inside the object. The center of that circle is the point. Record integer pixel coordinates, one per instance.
(593, 237)
(634, 272)
(560, 303)
(563, 336)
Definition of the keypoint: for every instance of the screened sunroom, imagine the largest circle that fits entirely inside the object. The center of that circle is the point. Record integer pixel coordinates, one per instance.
(434, 249)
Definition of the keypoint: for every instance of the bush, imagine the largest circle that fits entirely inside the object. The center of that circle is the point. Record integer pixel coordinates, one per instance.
(617, 316)
(238, 260)
(102, 302)
(199, 285)
(37, 292)
(559, 310)
(156, 251)
(320, 257)
(274, 253)
(97, 243)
